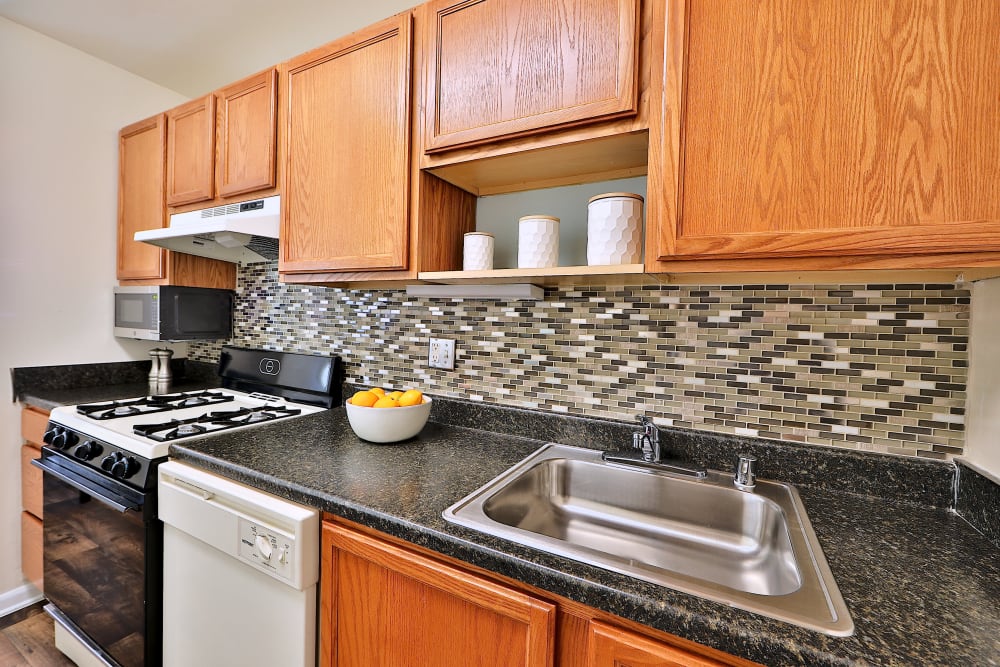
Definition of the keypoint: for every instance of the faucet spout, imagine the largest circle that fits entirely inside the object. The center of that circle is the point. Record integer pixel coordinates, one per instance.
(647, 453)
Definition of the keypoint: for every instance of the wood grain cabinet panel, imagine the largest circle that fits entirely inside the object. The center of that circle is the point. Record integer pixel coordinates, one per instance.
(141, 155)
(504, 68)
(609, 646)
(31, 481)
(384, 605)
(830, 128)
(34, 422)
(191, 152)
(346, 179)
(247, 141)
(31, 549)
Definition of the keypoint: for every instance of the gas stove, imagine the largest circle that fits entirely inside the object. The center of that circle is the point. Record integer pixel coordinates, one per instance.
(125, 439)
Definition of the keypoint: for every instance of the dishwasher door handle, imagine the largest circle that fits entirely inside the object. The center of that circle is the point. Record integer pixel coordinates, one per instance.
(204, 494)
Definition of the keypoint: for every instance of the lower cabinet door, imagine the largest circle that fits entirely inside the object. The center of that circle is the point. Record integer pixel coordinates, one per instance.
(384, 606)
(614, 647)
(31, 549)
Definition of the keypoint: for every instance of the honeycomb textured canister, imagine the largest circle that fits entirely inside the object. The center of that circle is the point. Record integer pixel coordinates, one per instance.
(614, 229)
(538, 242)
(478, 252)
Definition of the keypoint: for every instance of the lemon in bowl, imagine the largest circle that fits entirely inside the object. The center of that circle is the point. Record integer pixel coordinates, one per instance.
(385, 418)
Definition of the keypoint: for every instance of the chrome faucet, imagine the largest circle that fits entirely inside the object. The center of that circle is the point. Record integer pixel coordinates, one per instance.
(647, 440)
(647, 453)
(745, 478)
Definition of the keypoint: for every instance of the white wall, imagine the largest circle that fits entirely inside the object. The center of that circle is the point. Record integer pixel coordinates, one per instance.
(60, 112)
(982, 444)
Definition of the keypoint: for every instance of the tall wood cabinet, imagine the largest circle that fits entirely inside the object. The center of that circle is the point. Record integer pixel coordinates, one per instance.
(503, 68)
(33, 423)
(827, 129)
(142, 205)
(345, 202)
(383, 605)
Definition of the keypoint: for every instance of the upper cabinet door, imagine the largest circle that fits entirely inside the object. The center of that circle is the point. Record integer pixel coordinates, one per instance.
(191, 152)
(834, 128)
(346, 177)
(247, 140)
(141, 150)
(504, 68)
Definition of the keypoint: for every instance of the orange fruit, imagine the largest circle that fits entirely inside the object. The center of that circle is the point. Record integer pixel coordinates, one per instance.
(379, 391)
(365, 399)
(395, 394)
(411, 397)
(386, 402)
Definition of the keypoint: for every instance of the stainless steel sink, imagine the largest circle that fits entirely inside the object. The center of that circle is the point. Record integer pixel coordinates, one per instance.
(753, 550)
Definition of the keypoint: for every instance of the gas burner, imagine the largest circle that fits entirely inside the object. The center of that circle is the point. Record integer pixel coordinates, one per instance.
(261, 416)
(192, 402)
(185, 430)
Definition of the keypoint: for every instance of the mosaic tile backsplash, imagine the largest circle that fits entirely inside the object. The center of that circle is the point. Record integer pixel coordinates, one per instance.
(871, 367)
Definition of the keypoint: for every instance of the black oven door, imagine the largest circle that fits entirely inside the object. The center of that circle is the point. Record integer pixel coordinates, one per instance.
(102, 559)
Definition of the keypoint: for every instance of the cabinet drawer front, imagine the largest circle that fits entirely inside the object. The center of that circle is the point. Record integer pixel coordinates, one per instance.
(31, 481)
(504, 68)
(31, 549)
(33, 424)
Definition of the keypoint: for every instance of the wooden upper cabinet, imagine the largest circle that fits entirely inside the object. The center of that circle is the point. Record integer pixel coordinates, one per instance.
(191, 152)
(504, 68)
(830, 128)
(346, 177)
(141, 151)
(247, 143)
(385, 605)
(609, 646)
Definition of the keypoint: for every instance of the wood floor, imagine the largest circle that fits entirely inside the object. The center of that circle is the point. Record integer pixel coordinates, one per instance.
(27, 640)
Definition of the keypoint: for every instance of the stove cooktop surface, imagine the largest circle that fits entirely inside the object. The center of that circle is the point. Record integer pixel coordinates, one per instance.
(146, 425)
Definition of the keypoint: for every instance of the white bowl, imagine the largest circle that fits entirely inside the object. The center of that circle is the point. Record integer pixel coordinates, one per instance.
(388, 424)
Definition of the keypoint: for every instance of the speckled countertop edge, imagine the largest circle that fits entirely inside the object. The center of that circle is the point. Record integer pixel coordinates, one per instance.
(921, 584)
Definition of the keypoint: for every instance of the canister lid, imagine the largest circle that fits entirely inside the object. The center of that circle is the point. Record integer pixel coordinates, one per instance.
(479, 234)
(539, 217)
(630, 195)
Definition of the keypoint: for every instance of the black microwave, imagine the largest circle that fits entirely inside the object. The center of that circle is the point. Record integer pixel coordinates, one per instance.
(173, 313)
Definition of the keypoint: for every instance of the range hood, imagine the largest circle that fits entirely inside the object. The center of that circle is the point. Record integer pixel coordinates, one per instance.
(243, 233)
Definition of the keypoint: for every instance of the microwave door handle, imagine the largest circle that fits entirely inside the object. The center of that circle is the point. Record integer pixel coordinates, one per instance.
(82, 486)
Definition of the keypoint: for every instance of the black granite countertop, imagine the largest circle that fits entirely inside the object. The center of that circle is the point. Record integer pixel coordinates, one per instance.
(922, 586)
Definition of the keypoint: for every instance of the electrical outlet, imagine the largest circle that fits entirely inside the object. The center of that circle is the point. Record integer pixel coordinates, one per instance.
(441, 353)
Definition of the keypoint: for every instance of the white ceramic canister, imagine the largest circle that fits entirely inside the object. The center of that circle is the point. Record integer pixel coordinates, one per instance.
(614, 229)
(478, 252)
(538, 242)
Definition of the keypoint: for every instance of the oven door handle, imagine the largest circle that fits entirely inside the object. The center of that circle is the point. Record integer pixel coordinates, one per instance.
(95, 491)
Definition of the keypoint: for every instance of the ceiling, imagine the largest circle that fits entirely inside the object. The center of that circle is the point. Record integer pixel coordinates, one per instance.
(196, 46)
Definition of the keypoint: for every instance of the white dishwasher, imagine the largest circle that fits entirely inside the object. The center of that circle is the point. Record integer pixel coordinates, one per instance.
(240, 573)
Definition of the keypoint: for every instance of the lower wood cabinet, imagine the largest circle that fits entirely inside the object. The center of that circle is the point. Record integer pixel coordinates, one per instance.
(33, 424)
(387, 603)
(609, 646)
(385, 606)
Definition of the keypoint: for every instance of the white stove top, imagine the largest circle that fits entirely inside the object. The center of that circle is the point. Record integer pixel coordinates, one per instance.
(234, 410)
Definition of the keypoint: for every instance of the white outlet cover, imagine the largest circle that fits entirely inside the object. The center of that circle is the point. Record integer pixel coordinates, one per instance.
(441, 353)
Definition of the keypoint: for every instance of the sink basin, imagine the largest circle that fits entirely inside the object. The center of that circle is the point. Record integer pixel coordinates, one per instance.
(754, 550)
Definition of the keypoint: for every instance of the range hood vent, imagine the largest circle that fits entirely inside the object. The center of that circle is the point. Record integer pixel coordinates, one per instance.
(244, 233)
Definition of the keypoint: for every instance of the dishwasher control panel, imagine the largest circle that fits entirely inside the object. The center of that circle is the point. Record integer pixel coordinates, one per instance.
(267, 549)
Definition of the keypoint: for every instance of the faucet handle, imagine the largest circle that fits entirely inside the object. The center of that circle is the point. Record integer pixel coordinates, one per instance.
(746, 472)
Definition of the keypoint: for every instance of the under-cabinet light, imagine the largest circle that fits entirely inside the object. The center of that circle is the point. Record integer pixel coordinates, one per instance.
(471, 291)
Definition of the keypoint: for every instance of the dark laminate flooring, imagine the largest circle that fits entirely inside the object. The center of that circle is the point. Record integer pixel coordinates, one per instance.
(27, 640)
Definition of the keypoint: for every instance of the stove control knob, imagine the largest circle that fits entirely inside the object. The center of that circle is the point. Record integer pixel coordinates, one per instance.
(71, 439)
(88, 450)
(263, 547)
(108, 462)
(51, 434)
(124, 468)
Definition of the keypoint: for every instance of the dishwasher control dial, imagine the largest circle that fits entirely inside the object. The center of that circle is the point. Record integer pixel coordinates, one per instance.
(263, 547)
